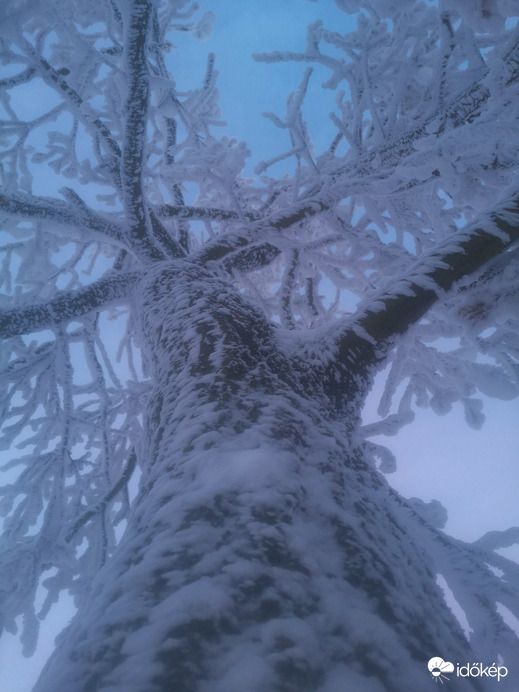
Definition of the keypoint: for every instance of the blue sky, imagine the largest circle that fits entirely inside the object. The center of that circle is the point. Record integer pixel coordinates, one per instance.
(249, 88)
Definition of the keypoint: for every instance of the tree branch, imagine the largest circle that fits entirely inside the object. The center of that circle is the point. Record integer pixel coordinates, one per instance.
(57, 81)
(263, 253)
(17, 79)
(99, 506)
(67, 306)
(134, 141)
(252, 257)
(408, 298)
(58, 212)
(184, 212)
(458, 110)
(171, 246)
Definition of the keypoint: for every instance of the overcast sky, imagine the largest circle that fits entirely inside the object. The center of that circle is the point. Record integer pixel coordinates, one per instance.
(473, 473)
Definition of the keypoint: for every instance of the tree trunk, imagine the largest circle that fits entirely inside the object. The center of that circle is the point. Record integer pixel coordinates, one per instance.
(263, 553)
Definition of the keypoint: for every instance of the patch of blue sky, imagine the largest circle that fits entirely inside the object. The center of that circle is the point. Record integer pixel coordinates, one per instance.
(249, 88)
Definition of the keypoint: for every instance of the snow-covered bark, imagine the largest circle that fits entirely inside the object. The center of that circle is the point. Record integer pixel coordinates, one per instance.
(264, 549)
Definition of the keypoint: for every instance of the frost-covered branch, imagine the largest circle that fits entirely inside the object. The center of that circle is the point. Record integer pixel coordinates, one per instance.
(452, 109)
(121, 483)
(187, 212)
(264, 253)
(21, 78)
(74, 215)
(405, 300)
(64, 308)
(170, 246)
(56, 80)
(134, 141)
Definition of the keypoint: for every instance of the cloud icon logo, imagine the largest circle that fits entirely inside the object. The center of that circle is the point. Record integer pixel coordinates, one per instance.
(438, 667)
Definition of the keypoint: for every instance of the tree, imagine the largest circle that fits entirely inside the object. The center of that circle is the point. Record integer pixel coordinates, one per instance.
(264, 548)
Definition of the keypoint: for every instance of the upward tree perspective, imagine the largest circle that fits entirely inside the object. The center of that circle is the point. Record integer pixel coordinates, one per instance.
(188, 348)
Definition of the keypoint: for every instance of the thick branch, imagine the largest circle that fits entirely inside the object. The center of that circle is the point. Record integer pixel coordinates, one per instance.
(252, 257)
(405, 301)
(58, 212)
(184, 212)
(133, 150)
(306, 210)
(67, 305)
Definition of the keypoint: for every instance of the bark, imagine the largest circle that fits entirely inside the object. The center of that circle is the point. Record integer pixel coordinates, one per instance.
(263, 553)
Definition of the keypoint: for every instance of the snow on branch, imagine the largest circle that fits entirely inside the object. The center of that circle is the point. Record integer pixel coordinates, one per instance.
(74, 215)
(121, 483)
(134, 138)
(68, 438)
(406, 299)
(183, 211)
(21, 78)
(66, 307)
(56, 80)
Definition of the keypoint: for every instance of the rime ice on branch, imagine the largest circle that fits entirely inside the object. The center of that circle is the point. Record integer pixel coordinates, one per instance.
(187, 350)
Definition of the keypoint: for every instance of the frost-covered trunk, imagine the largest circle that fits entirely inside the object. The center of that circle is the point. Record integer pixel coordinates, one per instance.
(263, 552)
